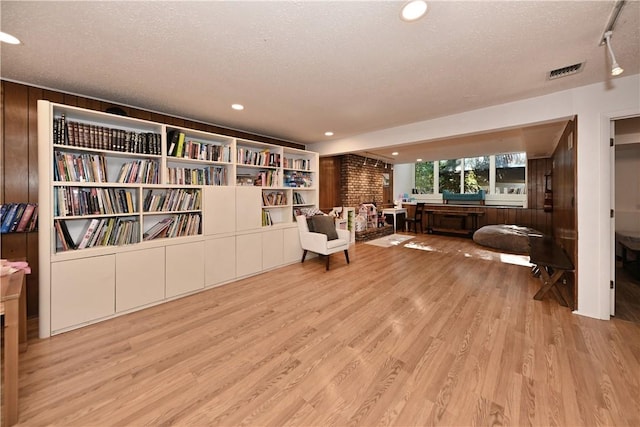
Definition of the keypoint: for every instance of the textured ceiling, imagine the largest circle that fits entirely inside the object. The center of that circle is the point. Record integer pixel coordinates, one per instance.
(302, 68)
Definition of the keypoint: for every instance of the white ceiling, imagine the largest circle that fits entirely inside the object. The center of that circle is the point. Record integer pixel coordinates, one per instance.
(304, 67)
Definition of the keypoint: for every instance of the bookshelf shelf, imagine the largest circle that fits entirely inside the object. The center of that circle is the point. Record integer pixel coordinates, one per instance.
(137, 208)
(110, 153)
(84, 217)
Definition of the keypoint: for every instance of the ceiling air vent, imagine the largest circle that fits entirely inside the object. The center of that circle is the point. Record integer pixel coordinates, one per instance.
(565, 71)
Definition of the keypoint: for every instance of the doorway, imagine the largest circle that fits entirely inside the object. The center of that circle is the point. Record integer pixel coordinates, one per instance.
(626, 222)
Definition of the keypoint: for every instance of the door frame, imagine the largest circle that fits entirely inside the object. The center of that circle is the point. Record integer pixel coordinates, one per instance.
(610, 132)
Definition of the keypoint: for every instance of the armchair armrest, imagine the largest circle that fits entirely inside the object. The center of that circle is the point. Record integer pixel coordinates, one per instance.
(344, 234)
(313, 241)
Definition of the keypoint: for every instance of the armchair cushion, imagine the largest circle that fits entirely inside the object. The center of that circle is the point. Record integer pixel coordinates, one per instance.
(323, 224)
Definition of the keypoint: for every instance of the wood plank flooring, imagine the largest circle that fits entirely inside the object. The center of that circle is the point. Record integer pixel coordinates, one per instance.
(445, 335)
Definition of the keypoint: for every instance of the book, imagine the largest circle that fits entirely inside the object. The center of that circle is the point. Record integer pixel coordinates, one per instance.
(33, 223)
(99, 229)
(157, 229)
(17, 216)
(3, 210)
(172, 141)
(26, 217)
(180, 147)
(88, 233)
(64, 235)
(61, 243)
(129, 202)
(10, 212)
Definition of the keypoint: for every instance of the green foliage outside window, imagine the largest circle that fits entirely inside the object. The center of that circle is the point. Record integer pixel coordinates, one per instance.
(450, 175)
(424, 177)
(510, 174)
(476, 174)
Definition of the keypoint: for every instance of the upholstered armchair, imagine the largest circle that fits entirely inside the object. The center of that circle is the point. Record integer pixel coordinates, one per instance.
(324, 239)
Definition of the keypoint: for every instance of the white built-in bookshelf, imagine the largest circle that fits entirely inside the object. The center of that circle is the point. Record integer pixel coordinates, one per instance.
(133, 213)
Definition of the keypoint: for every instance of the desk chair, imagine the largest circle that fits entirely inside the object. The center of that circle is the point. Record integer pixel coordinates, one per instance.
(416, 220)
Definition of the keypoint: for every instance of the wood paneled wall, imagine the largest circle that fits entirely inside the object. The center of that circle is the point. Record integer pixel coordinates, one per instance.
(329, 183)
(19, 159)
(565, 213)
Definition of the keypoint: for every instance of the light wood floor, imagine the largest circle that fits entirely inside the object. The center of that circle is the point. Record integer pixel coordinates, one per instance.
(449, 335)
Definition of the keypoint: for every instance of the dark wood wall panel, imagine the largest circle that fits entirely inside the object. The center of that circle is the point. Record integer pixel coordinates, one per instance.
(329, 183)
(16, 144)
(19, 159)
(19, 182)
(565, 227)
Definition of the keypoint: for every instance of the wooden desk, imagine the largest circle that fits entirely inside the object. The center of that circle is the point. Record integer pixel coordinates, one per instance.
(551, 263)
(13, 304)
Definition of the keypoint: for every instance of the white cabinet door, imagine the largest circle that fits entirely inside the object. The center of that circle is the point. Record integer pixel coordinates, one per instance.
(185, 268)
(219, 260)
(248, 208)
(292, 248)
(272, 249)
(136, 286)
(219, 209)
(82, 290)
(248, 254)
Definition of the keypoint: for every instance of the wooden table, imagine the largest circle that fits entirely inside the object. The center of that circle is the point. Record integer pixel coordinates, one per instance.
(551, 262)
(13, 305)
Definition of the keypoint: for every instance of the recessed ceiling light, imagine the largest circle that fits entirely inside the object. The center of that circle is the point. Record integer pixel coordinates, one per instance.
(8, 38)
(395, 153)
(238, 107)
(413, 10)
(328, 133)
(418, 160)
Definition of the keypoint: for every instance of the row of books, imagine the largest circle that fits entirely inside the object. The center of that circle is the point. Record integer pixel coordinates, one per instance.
(266, 218)
(297, 179)
(79, 167)
(175, 199)
(179, 146)
(274, 198)
(86, 135)
(99, 232)
(212, 175)
(301, 164)
(267, 178)
(174, 226)
(298, 199)
(258, 158)
(18, 217)
(73, 201)
(140, 172)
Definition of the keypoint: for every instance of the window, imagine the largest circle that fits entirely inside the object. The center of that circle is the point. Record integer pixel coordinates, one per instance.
(424, 177)
(476, 174)
(449, 171)
(473, 174)
(511, 173)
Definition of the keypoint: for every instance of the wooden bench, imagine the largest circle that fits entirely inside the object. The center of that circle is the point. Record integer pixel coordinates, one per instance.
(550, 263)
(465, 227)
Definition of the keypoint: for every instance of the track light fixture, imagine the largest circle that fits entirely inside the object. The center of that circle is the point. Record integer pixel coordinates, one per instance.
(365, 162)
(376, 165)
(616, 69)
